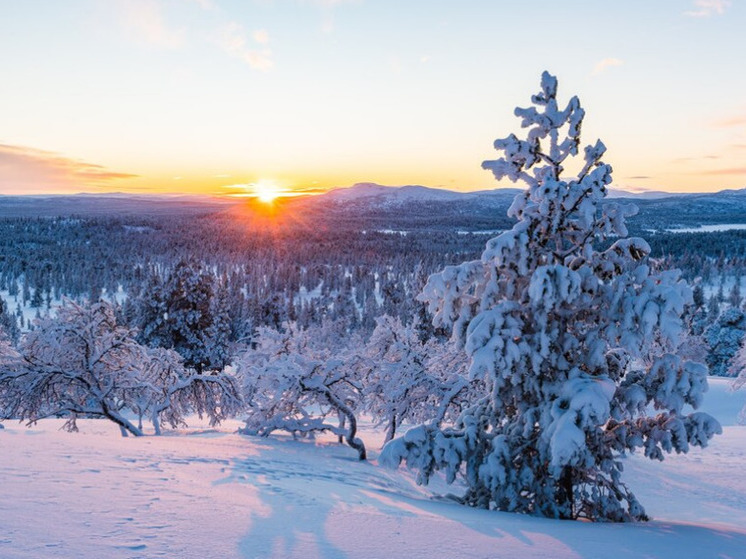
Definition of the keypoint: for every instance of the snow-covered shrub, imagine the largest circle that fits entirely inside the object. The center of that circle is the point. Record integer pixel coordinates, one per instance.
(562, 335)
(9, 362)
(169, 391)
(82, 363)
(410, 380)
(738, 370)
(300, 382)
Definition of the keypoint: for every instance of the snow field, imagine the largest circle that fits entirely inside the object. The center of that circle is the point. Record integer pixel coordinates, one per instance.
(205, 493)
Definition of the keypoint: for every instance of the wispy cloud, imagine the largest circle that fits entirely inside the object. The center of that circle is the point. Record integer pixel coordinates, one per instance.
(606, 63)
(144, 20)
(706, 8)
(327, 6)
(727, 122)
(327, 25)
(330, 3)
(204, 4)
(261, 36)
(690, 158)
(639, 177)
(232, 39)
(24, 169)
(729, 171)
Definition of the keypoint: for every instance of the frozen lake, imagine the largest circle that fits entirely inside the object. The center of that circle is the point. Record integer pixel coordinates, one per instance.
(710, 228)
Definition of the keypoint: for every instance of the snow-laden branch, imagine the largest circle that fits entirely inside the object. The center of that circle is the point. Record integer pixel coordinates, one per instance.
(574, 345)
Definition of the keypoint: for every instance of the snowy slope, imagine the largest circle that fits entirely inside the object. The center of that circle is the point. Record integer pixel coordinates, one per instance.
(397, 195)
(203, 493)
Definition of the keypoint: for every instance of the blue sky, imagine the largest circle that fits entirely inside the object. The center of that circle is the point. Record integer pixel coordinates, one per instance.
(202, 95)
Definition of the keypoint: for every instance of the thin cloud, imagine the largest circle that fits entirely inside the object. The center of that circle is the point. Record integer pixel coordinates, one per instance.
(706, 8)
(25, 170)
(247, 190)
(606, 63)
(308, 190)
(261, 36)
(327, 25)
(735, 120)
(331, 3)
(697, 158)
(204, 4)
(232, 40)
(144, 20)
(730, 171)
(639, 177)
(327, 7)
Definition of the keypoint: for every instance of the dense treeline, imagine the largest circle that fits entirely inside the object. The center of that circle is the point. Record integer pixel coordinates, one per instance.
(273, 269)
(268, 274)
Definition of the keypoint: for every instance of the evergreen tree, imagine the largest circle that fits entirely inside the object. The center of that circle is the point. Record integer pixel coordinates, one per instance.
(563, 336)
(8, 322)
(37, 299)
(698, 296)
(738, 370)
(185, 314)
(734, 296)
(723, 338)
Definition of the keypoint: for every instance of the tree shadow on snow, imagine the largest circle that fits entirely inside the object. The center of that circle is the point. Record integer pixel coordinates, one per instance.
(321, 502)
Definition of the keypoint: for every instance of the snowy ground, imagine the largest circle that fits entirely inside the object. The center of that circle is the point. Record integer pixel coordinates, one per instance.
(203, 493)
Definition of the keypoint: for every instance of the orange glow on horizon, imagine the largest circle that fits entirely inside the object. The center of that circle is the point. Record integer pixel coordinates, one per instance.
(266, 191)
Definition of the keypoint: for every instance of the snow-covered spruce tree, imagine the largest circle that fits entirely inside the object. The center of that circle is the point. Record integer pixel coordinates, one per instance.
(187, 313)
(723, 338)
(561, 334)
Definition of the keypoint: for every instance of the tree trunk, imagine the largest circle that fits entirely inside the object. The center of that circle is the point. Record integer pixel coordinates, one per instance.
(123, 423)
(565, 494)
(391, 431)
(354, 442)
(350, 438)
(342, 425)
(156, 421)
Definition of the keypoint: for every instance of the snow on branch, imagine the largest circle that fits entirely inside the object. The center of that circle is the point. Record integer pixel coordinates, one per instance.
(574, 345)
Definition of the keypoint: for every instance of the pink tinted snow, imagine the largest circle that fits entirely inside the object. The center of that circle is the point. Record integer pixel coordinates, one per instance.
(205, 493)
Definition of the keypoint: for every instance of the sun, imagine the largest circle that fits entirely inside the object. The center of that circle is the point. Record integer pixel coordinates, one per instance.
(266, 191)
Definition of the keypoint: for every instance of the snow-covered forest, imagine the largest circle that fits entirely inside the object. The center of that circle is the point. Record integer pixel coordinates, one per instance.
(522, 362)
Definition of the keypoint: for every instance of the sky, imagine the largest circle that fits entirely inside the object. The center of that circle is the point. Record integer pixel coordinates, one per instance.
(214, 96)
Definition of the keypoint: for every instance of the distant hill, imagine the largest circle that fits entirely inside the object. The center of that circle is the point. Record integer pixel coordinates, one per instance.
(380, 194)
(646, 194)
(375, 206)
(87, 204)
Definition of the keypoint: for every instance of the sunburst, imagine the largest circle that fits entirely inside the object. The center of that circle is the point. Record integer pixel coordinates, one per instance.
(266, 191)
